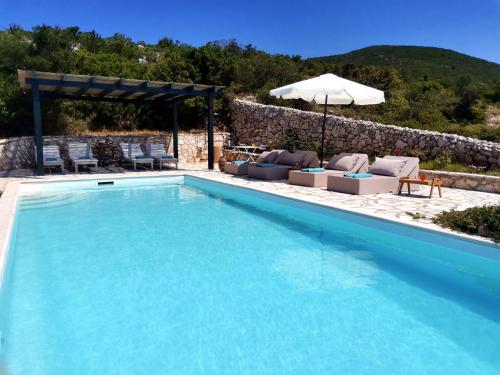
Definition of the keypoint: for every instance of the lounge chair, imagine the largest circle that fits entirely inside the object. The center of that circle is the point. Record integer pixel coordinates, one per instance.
(52, 157)
(81, 154)
(278, 163)
(337, 166)
(383, 180)
(157, 152)
(133, 153)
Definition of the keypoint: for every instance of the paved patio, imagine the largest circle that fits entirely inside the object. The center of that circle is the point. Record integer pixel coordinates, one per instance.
(387, 206)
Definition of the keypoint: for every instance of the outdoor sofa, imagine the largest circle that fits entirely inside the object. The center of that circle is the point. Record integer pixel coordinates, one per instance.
(386, 173)
(240, 167)
(237, 167)
(276, 164)
(132, 152)
(157, 152)
(81, 154)
(337, 166)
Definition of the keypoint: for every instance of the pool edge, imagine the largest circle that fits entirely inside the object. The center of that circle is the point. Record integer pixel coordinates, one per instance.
(8, 205)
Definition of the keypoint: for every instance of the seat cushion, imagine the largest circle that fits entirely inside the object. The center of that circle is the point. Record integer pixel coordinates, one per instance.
(235, 169)
(311, 179)
(279, 172)
(371, 185)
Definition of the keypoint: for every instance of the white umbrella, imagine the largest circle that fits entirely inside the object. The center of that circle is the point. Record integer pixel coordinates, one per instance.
(330, 89)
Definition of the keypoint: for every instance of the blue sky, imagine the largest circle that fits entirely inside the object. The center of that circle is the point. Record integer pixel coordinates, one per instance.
(293, 27)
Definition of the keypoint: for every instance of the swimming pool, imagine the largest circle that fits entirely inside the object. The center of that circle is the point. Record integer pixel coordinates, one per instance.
(183, 275)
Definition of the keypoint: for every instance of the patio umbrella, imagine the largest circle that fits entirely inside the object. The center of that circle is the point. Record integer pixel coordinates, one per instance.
(329, 89)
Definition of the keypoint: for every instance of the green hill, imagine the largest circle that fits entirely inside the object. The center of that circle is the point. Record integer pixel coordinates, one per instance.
(416, 62)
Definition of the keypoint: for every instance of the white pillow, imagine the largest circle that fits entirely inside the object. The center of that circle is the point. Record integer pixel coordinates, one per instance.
(387, 167)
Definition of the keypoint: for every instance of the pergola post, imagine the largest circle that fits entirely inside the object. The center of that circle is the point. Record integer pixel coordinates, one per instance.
(37, 117)
(175, 130)
(210, 131)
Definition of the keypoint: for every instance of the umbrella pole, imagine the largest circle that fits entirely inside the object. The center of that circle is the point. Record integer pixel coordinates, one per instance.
(323, 132)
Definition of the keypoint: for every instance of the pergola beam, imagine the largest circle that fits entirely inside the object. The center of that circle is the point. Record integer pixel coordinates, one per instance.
(102, 99)
(114, 86)
(105, 93)
(82, 91)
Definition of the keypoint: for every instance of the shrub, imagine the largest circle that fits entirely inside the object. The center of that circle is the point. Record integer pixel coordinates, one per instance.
(443, 161)
(483, 221)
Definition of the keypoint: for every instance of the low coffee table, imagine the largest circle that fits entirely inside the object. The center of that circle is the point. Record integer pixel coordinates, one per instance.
(408, 181)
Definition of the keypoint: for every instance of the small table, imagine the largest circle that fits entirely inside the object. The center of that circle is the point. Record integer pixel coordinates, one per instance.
(408, 181)
(250, 152)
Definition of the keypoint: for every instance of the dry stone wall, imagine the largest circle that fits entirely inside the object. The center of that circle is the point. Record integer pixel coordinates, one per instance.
(266, 124)
(19, 152)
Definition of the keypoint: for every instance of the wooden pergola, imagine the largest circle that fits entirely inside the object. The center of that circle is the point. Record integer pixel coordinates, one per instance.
(115, 90)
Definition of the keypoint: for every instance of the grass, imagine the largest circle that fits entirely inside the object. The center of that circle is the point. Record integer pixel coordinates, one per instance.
(483, 221)
(415, 215)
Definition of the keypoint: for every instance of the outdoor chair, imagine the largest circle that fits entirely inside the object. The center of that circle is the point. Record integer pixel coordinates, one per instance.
(132, 152)
(157, 152)
(52, 157)
(81, 154)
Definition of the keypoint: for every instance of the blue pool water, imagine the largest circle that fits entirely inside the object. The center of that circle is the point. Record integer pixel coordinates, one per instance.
(173, 276)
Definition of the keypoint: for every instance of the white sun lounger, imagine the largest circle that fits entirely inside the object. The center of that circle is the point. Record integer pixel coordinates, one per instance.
(52, 157)
(157, 152)
(133, 153)
(81, 154)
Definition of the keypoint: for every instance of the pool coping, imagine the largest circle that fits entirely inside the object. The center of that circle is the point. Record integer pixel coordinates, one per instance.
(9, 199)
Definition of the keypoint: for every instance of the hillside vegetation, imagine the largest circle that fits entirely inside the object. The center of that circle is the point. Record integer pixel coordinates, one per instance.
(417, 63)
(425, 88)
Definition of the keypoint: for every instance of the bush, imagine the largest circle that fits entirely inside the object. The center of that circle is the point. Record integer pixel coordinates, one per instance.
(443, 161)
(483, 221)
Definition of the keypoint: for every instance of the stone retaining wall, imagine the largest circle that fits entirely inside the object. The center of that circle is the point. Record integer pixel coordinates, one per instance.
(19, 152)
(466, 181)
(266, 124)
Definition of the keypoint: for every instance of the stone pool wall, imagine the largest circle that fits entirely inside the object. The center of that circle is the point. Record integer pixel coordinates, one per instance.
(267, 124)
(19, 152)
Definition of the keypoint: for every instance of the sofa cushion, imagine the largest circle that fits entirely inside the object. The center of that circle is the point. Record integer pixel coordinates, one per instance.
(281, 156)
(269, 156)
(292, 159)
(263, 157)
(387, 167)
(342, 162)
(410, 169)
(310, 160)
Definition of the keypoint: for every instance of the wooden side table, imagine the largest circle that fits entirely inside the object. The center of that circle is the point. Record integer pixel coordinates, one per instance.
(435, 182)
